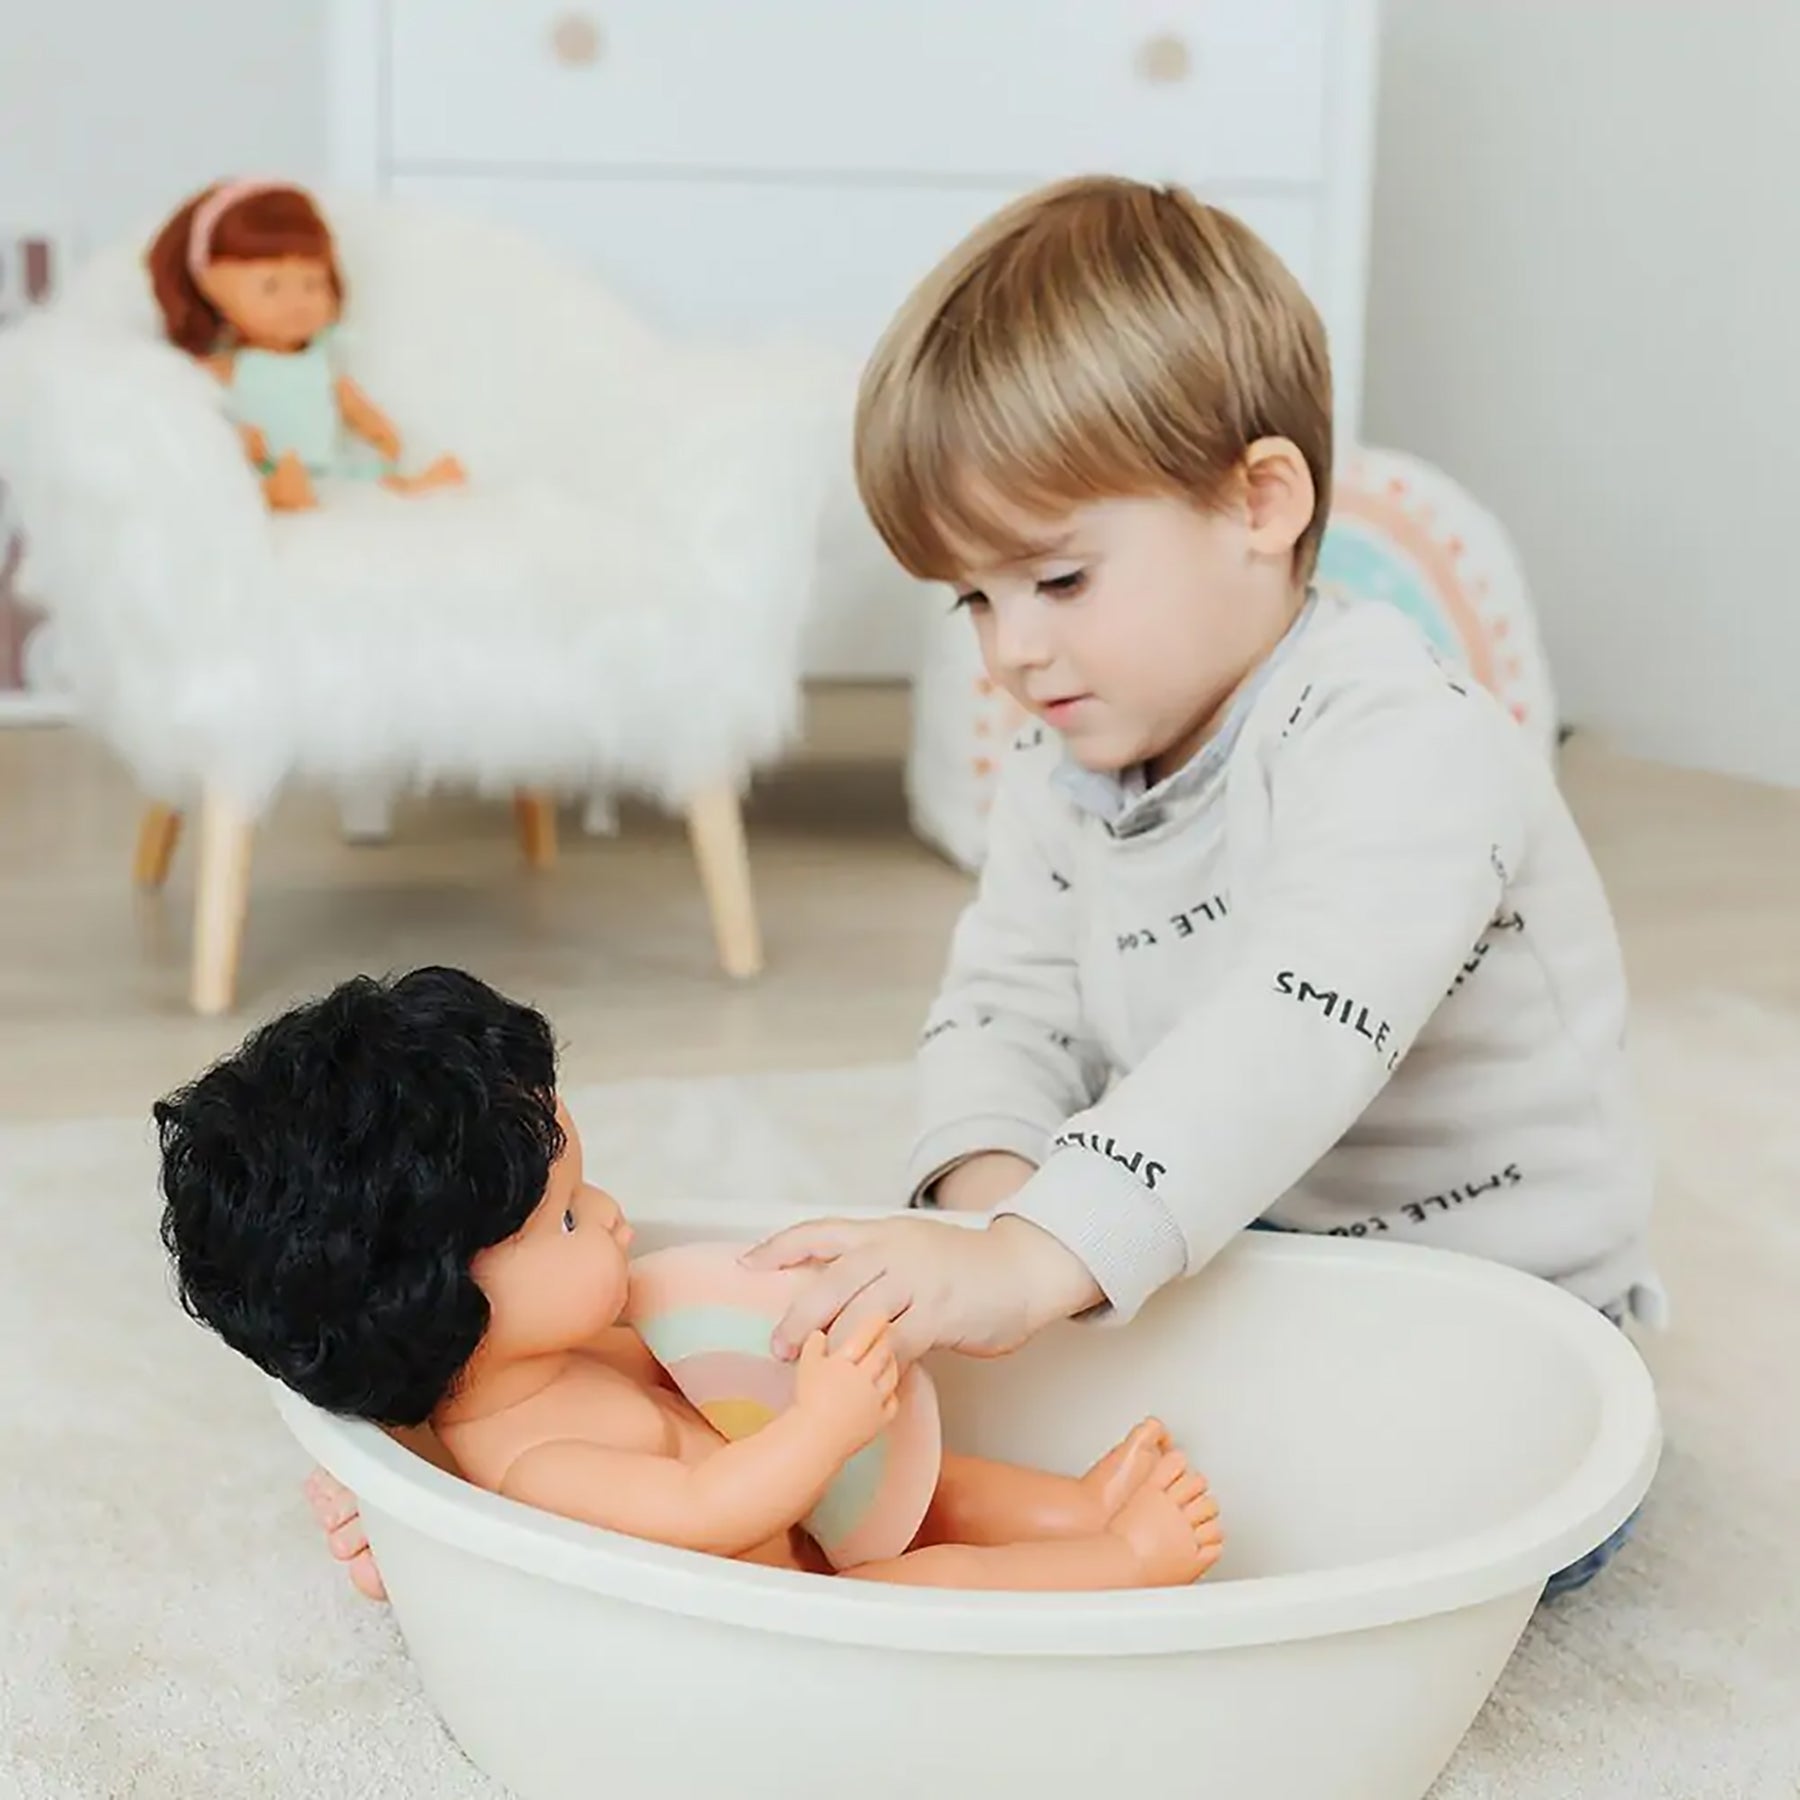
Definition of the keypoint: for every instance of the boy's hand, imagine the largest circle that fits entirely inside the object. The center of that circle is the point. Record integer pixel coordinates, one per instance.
(983, 1182)
(849, 1390)
(983, 1292)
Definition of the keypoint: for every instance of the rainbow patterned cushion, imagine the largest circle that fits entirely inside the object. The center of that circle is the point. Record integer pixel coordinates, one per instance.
(707, 1320)
(1403, 532)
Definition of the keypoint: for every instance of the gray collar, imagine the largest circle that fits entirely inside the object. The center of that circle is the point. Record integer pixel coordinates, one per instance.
(1127, 804)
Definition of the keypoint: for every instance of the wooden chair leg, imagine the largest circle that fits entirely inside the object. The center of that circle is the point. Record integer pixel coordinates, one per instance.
(159, 830)
(536, 818)
(221, 899)
(716, 829)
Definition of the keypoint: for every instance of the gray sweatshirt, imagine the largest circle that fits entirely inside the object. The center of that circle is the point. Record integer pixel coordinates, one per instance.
(1350, 970)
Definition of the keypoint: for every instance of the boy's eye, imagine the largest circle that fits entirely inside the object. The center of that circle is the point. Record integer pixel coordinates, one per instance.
(974, 597)
(1072, 583)
(568, 1218)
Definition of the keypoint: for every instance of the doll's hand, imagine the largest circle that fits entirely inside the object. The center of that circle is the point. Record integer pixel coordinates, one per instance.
(943, 1286)
(256, 446)
(849, 1391)
(334, 1506)
(287, 487)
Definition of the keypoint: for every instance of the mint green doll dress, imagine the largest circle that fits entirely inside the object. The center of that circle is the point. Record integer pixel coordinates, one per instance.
(290, 396)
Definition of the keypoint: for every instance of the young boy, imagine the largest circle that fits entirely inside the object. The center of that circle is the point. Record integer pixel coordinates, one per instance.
(1282, 921)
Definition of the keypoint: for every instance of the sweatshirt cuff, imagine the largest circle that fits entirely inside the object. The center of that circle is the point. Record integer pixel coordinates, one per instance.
(1126, 1236)
(943, 1147)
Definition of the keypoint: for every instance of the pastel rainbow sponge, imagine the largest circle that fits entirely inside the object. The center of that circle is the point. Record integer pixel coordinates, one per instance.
(707, 1320)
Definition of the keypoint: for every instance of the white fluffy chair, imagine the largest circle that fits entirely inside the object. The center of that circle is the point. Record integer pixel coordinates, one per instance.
(616, 601)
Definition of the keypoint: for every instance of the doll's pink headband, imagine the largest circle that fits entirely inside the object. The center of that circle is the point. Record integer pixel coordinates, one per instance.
(211, 210)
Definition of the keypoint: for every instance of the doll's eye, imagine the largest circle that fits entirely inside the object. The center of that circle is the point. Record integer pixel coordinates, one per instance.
(568, 1218)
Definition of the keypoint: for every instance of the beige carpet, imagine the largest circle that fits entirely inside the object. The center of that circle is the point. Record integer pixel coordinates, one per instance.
(169, 1627)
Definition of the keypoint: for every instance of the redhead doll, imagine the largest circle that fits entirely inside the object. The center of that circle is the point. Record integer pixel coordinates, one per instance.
(247, 278)
(380, 1201)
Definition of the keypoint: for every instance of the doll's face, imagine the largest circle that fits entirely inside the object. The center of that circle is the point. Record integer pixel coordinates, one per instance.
(273, 303)
(561, 1279)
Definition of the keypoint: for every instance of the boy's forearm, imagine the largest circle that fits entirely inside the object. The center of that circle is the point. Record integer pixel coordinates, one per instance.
(1005, 1087)
(1057, 1283)
(980, 1182)
(950, 1144)
(1122, 1235)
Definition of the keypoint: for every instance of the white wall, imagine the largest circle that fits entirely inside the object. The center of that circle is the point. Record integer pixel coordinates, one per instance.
(112, 110)
(1586, 305)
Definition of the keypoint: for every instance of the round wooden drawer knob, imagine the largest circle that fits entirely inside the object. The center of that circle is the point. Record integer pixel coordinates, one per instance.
(575, 41)
(1165, 59)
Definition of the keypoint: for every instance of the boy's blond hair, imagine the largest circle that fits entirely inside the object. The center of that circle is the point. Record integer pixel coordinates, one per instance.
(1095, 340)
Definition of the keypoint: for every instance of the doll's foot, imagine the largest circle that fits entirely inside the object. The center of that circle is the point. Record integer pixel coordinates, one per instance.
(1124, 1469)
(288, 488)
(1170, 1525)
(334, 1506)
(445, 472)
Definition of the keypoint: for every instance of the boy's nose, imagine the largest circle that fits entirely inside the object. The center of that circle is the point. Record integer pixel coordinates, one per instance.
(1019, 639)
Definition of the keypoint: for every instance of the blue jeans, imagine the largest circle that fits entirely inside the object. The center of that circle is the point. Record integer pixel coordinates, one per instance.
(1583, 1570)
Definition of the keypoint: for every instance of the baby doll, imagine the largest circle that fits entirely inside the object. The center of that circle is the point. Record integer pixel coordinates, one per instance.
(380, 1200)
(247, 278)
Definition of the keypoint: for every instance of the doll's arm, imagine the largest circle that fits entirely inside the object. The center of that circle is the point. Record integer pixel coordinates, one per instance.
(745, 1492)
(366, 419)
(744, 1495)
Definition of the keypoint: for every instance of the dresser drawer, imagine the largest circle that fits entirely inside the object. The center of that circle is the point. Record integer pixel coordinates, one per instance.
(1014, 90)
(825, 261)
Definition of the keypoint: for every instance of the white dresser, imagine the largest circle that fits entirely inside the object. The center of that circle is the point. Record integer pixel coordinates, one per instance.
(774, 168)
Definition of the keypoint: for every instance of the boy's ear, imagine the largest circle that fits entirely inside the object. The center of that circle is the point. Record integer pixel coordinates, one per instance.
(1279, 495)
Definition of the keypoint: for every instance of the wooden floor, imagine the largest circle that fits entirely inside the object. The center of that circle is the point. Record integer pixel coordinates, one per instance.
(614, 944)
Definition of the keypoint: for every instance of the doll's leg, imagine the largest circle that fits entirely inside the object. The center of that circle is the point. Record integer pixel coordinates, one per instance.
(979, 1502)
(445, 472)
(1165, 1535)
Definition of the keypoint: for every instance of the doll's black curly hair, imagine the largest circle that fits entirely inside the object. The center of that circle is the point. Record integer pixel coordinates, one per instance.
(327, 1186)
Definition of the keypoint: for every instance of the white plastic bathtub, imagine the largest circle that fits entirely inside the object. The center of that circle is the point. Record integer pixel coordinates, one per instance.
(1405, 1443)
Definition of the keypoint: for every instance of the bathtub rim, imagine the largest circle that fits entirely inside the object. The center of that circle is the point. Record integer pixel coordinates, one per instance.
(1513, 1557)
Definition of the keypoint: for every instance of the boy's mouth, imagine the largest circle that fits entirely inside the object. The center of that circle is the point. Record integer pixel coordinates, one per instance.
(1060, 712)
